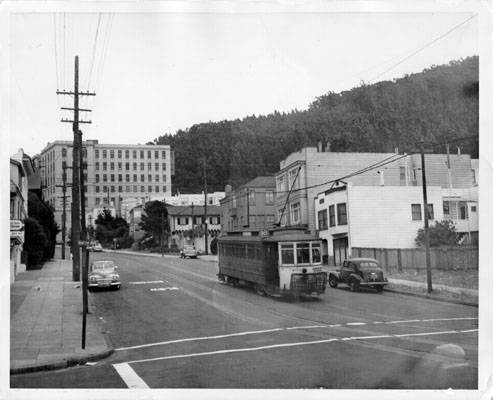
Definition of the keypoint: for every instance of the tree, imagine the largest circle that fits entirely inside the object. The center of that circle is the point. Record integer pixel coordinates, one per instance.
(35, 242)
(109, 228)
(441, 234)
(43, 213)
(154, 220)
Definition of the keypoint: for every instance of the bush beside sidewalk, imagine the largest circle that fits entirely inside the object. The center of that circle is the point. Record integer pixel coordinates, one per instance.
(46, 321)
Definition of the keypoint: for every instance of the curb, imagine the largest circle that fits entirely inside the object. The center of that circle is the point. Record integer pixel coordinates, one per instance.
(426, 296)
(70, 362)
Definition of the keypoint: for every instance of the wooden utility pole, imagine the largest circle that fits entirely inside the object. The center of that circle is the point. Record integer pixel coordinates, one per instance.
(425, 209)
(78, 210)
(205, 209)
(64, 213)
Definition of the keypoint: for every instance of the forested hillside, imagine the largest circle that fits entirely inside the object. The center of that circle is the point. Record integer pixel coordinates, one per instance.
(438, 105)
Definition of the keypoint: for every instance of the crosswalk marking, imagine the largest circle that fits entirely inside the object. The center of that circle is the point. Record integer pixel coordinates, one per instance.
(129, 376)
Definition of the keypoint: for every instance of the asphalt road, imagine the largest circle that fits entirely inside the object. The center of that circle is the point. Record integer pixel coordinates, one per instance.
(175, 326)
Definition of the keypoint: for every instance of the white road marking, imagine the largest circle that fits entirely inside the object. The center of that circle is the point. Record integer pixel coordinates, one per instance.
(128, 375)
(192, 339)
(199, 338)
(282, 345)
(163, 289)
(144, 282)
(427, 333)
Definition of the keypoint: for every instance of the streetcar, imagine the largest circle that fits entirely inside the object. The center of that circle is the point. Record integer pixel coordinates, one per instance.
(282, 262)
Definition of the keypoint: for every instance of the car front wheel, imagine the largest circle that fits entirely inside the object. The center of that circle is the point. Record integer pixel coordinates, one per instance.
(333, 281)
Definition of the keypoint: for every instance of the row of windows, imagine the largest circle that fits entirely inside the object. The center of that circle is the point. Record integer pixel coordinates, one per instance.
(128, 189)
(127, 177)
(323, 223)
(197, 220)
(289, 181)
(416, 212)
(249, 251)
(120, 165)
(120, 153)
(300, 253)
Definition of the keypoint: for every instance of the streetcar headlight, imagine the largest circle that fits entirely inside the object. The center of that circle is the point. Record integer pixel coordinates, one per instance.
(303, 270)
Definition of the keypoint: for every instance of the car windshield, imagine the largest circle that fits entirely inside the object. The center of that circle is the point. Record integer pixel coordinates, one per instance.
(368, 265)
(103, 265)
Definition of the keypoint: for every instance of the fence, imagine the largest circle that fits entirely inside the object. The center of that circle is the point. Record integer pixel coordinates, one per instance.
(441, 258)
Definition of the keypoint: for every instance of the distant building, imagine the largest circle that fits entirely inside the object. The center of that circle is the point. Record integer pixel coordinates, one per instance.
(186, 225)
(112, 172)
(250, 208)
(306, 173)
(179, 199)
(21, 168)
(134, 219)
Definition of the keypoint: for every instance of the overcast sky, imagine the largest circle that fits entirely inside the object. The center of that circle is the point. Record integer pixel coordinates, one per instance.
(157, 73)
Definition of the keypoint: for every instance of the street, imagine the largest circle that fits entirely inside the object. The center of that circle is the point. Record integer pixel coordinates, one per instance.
(174, 325)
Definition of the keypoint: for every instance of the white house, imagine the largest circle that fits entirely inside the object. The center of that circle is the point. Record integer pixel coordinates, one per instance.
(350, 216)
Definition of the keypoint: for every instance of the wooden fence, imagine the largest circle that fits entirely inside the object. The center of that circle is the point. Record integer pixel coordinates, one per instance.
(441, 258)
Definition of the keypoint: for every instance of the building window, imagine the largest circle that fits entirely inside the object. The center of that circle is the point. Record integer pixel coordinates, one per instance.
(142, 154)
(119, 177)
(127, 153)
(269, 197)
(142, 189)
(280, 184)
(135, 189)
(97, 189)
(287, 254)
(446, 208)
(112, 189)
(119, 154)
(97, 200)
(105, 166)
(182, 220)
(149, 153)
(149, 178)
(332, 215)
(127, 188)
(157, 189)
(120, 189)
(149, 166)
(164, 189)
(141, 166)
(163, 154)
(164, 166)
(134, 153)
(105, 189)
(251, 198)
(127, 166)
(112, 154)
(135, 166)
(156, 154)
(293, 181)
(96, 152)
(105, 178)
(64, 152)
(321, 201)
(112, 166)
(164, 178)
(97, 166)
(149, 189)
(142, 178)
(113, 200)
(416, 212)
(462, 210)
(295, 213)
(112, 178)
(281, 218)
(119, 166)
(97, 178)
(104, 153)
(127, 177)
(473, 208)
(322, 220)
(341, 214)
(156, 166)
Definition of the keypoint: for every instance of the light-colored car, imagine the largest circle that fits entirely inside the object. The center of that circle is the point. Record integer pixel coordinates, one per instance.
(102, 274)
(97, 247)
(188, 251)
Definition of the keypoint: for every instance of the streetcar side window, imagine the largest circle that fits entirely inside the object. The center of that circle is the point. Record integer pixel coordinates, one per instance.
(287, 254)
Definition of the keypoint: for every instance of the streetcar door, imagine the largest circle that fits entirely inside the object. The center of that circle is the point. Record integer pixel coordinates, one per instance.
(272, 260)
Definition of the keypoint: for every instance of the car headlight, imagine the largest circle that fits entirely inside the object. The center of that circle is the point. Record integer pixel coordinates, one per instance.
(114, 278)
(92, 279)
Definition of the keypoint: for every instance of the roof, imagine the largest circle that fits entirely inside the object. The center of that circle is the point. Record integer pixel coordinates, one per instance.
(193, 210)
(261, 182)
(286, 237)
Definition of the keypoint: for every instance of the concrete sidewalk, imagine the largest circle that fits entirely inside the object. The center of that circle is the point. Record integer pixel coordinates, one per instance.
(46, 321)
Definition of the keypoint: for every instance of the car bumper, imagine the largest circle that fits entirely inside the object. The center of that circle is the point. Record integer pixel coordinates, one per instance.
(103, 284)
(366, 283)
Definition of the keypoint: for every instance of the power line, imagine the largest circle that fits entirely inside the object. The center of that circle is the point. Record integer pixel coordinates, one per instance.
(94, 52)
(424, 47)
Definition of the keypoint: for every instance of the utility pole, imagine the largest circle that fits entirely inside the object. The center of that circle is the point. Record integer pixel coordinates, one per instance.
(64, 213)
(77, 190)
(205, 209)
(425, 207)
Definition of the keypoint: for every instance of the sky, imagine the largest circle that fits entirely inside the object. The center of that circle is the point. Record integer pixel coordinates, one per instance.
(155, 73)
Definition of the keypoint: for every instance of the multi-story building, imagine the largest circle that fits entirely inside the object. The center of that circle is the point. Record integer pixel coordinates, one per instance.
(186, 225)
(112, 173)
(213, 199)
(21, 167)
(249, 209)
(304, 174)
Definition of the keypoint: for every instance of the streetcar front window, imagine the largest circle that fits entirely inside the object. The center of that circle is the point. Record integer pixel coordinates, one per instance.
(287, 254)
(302, 253)
(316, 253)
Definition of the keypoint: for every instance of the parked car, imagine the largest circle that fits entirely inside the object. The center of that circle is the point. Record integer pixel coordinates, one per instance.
(103, 274)
(97, 247)
(188, 251)
(357, 273)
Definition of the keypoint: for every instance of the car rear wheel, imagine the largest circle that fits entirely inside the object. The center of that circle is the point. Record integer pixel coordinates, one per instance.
(354, 285)
(333, 281)
(379, 288)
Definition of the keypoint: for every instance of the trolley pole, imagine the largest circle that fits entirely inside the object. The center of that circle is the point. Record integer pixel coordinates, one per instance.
(425, 212)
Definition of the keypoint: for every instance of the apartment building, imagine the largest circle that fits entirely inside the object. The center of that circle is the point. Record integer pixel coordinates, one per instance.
(250, 208)
(305, 173)
(112, 173)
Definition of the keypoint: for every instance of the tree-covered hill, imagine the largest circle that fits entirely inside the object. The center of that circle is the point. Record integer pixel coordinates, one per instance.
(439, 104)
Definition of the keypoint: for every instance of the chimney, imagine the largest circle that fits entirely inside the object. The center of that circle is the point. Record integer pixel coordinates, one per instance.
(327, 147)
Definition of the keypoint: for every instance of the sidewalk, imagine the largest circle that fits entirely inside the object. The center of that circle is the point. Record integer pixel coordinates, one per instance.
(46, 321)
(440, 292)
